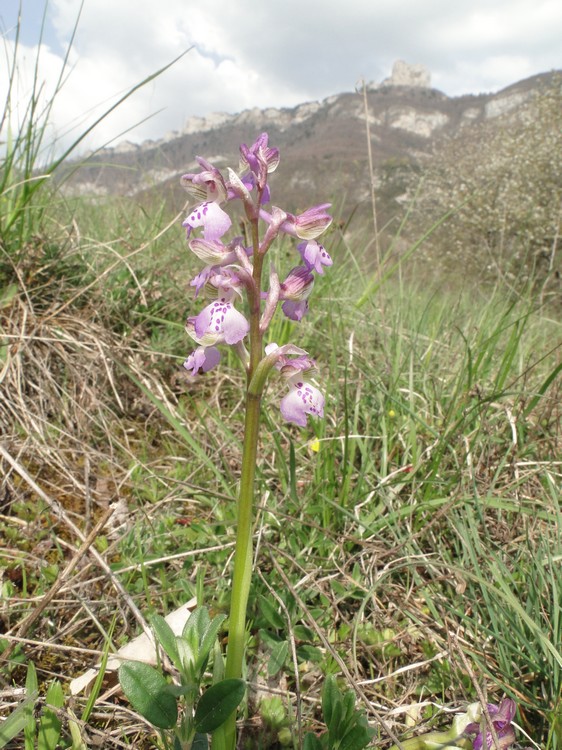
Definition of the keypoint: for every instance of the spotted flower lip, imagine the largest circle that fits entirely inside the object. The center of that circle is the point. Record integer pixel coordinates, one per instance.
(302, 400)
(218, 323)
(211, 217)
(314, 255)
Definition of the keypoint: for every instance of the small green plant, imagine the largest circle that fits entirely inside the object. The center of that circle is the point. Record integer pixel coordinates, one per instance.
(183, 711)
(347, 726)
(276, 720)
(42, 731)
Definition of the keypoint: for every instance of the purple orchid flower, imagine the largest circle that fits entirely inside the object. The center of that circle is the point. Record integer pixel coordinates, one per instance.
(211, 217)
(218, 323)
(310, 224)
(298, 284)
(306, 226)
(202, 360)
(215, 253)
(295, 290)
(314, 255)
(260, 159)
(501, 717)
(207, 185)
(302, 399)
(218, 281)
(290, 359)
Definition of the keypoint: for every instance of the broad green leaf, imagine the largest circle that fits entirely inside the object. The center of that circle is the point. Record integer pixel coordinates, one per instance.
(50, 724)
(208, 640)
(270, 613)
(198, 621)
(269, 639)
(356, 739)
(147, 691)
(186, 656)
(330, 696)
(303, 633)
(217, 703)
(166, 638)
(310, 653)
(335, 727)
(311, 742)
(278, 658)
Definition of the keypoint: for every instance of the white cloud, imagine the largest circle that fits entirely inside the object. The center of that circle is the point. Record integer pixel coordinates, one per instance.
(279, 53)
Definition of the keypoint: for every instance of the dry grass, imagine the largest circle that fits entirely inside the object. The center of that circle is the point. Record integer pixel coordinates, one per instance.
(71, 426)
(83, 443)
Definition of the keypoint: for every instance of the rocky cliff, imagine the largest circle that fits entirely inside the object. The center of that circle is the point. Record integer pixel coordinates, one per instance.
(323, 143)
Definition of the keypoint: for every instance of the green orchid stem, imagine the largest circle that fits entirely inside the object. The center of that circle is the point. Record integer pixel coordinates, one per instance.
(243, 553)
(225, 736)
(242, 574)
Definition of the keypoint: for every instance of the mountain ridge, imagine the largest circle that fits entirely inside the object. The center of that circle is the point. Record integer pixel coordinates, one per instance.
(323, 144)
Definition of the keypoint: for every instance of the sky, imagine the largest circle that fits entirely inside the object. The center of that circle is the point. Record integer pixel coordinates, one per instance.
(255, 53)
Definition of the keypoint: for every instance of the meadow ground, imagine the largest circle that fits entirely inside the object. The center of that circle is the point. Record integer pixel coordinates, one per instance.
(413, 550)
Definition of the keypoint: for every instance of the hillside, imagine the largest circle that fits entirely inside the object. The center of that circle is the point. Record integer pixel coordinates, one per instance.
(317, 138)
(416, 131)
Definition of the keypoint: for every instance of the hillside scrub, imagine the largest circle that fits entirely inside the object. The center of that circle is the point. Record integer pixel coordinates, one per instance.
(503, 185)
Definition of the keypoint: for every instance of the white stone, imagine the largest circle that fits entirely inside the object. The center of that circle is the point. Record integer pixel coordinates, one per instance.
(125, 147)
(503, 104)
(404, 74)
(420, 123)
